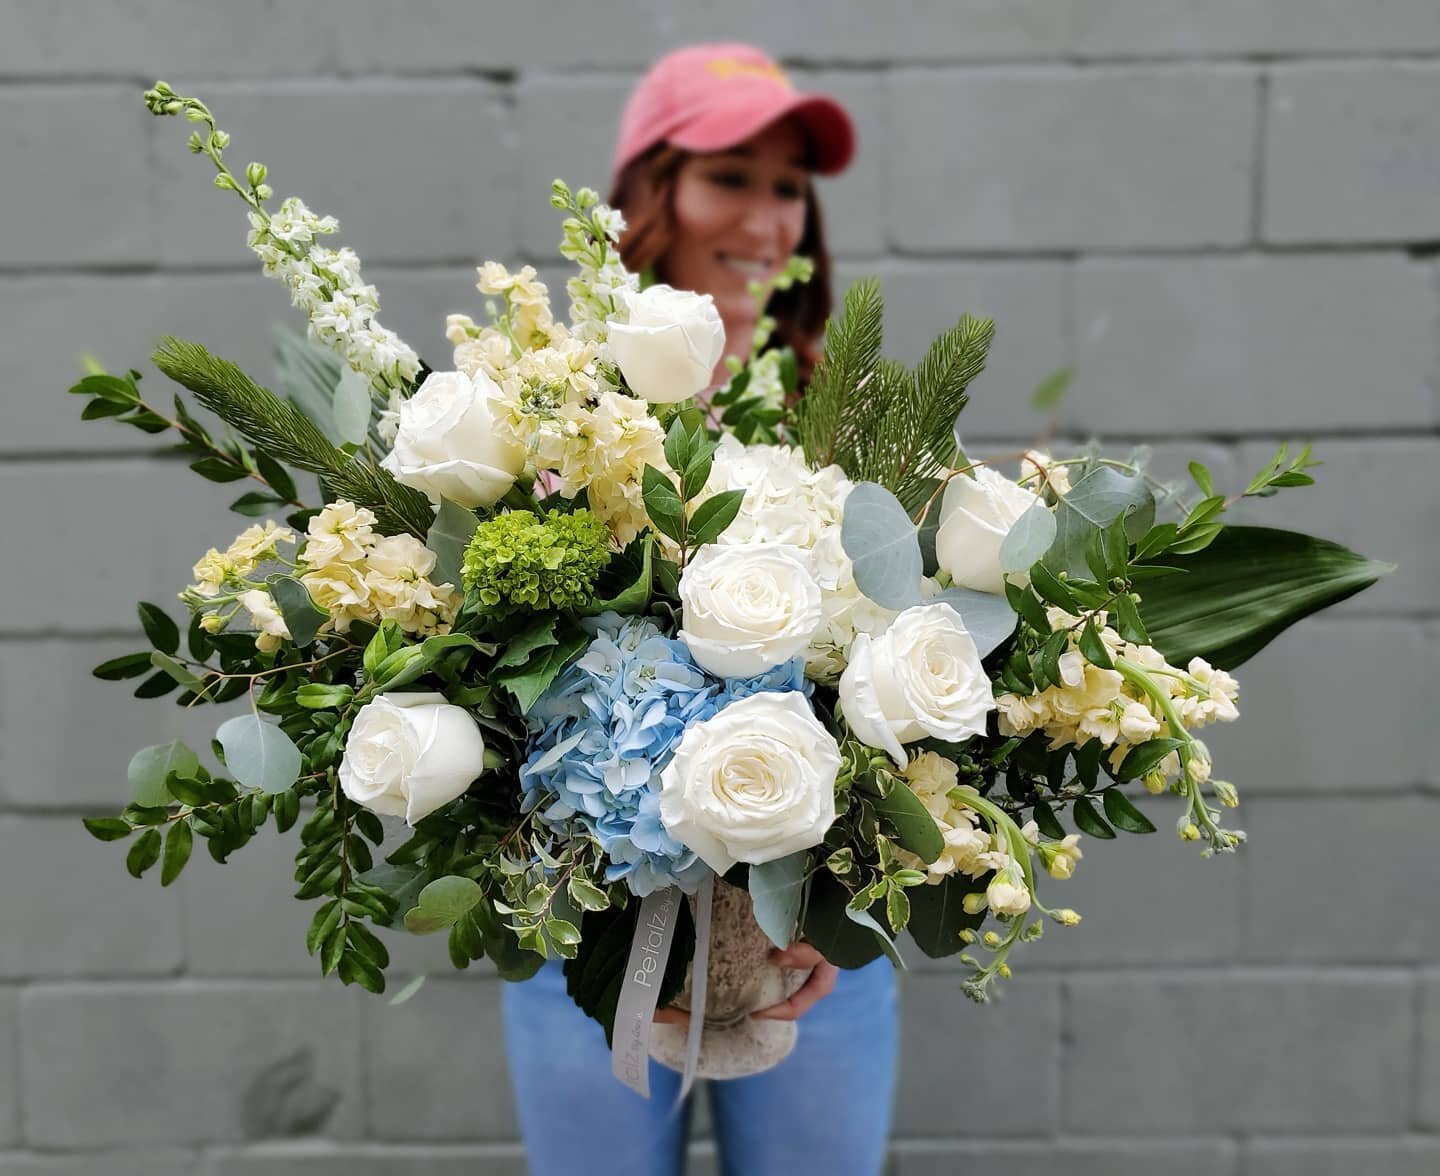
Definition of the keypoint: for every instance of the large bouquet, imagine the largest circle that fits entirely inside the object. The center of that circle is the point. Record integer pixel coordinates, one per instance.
(595, 645)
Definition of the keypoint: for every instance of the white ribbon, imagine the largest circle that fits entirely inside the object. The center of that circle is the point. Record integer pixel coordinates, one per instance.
(640, 990)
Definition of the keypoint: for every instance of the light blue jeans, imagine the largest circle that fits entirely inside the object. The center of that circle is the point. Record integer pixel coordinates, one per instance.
(826, 1108)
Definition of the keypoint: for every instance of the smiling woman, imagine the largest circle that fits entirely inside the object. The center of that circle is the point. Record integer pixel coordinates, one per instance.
(713, 173)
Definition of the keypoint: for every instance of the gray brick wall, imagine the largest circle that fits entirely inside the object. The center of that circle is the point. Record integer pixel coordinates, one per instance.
(1224, 214)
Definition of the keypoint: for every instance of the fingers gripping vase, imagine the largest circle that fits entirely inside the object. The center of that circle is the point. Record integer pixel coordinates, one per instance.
(739, 979)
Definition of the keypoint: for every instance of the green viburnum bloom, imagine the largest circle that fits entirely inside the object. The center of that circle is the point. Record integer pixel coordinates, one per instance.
(517, 561)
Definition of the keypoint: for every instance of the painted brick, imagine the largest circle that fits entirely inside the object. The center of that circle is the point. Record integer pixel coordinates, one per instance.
(1372, 130)
(1287, 917)
(1025, 159)
(1238, 344)
(1182, 28)
(1100, 1157)
(325, 1160)
(75, 174)
(1222, 1053)
(107, 1065)
(1339, 1157)
(88, 917)
(378, 155)
(45, 686)
(1287, 739)
(9, 1066)
(145, 523)
(1376, 497)
(1428, 1042)
(1018, 1035)
(140, 40)
(421, 1087)
(1027, 302)
(166, 1163)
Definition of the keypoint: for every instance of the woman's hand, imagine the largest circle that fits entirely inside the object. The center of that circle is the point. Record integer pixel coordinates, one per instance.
(820, 984)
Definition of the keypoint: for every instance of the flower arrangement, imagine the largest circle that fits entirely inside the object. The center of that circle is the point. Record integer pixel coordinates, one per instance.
(590, 643)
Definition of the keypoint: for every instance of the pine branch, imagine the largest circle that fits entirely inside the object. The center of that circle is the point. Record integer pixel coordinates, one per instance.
(280, 430)
(944, 376)
(825, 416)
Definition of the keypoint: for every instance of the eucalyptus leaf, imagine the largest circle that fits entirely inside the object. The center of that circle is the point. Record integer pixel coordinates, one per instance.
(988, 617)
(441, 903)
(151, 765)
(449, 535)
(1028, 539)
(259, 754)
(1092, 504)
(775, 891)
(301, 615)
(872, 924)
(883, 546)
(350, 407)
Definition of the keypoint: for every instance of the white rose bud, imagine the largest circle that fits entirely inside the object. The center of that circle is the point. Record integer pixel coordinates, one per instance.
(976, 513)
(409, 754)
(753, 783)
(921, 677)
(446, 444)
(669, 348)
(748, 607)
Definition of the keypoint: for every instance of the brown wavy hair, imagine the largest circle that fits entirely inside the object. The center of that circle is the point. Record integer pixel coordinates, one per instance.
(645, 194)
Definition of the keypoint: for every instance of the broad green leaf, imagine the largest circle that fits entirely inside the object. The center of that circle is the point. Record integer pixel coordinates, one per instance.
(830, 930)
(302, 617)
(909, 821)
(449, 535)
(536, 635)
(441, 903)
(1048, 823)
(1141, 758)
(529, 682)
(1245, 589)
(163, 633)
(635, 598)
(1123, 814)
(775, 892)
(168, 665)
(1088, 819)
(883, 546)
(151, 765)
(144, 852)
(937, 915)
(177, 851)
(871, 923)
(107, 828)
(713, 515)
(259, 754)
(129, 665)
(1051, 390)
(662, 503)
(1028, 539)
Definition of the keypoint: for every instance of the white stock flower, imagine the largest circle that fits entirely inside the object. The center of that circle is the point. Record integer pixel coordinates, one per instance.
(976, 513)
(921, 677)
(753, 783)
(270, 627)
(668, 349)
(447, 445)
(748, 607)
(409, 754)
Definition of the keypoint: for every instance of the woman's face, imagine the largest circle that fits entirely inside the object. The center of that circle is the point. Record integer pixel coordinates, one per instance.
(739, 215)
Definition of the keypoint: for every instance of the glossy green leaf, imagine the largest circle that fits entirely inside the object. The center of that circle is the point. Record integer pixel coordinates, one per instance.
(1123, 814)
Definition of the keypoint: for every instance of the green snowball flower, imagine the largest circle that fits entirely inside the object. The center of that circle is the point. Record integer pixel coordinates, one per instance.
(517, 561)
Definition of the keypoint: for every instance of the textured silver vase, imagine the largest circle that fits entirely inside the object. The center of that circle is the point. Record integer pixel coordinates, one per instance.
(739, 980)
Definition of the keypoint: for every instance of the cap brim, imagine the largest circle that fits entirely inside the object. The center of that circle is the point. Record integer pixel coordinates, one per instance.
(828, 126)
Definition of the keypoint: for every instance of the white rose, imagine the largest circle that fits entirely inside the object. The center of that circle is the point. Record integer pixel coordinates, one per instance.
(408, 754)
(669, 348)
(753, 783)
(921, 677)
(748, 607)
(446, 443)
(976, 513)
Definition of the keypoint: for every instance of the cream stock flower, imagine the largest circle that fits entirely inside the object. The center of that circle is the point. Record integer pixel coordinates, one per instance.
(340, 533)
(269, 625)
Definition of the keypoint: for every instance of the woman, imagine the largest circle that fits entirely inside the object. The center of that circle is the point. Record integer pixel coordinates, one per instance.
(712, 172)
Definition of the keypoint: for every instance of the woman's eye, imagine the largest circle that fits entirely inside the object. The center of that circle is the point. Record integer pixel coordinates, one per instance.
(789, 191)
(728, 179)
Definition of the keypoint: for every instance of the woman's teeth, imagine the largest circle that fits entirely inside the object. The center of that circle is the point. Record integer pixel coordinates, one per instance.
(752, 269)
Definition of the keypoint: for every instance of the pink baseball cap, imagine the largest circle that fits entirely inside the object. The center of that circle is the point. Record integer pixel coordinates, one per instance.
(710, 97)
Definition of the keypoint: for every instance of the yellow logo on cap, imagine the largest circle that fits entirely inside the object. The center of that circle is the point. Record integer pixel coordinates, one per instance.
(732, 67)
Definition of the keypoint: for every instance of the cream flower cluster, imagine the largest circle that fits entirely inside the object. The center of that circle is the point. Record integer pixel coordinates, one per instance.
(326, 284)
(788, 502)
(252, 547)
(353, 573)
(970, 849)
(557, 404)
(595, 291)
(1091, 702)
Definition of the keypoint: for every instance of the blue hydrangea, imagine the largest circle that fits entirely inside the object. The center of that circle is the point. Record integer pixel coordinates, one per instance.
(606, 728)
